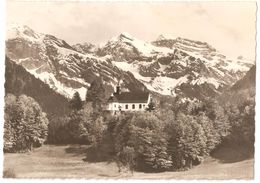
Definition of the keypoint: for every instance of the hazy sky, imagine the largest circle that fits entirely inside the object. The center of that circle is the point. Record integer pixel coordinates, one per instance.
(229, 27)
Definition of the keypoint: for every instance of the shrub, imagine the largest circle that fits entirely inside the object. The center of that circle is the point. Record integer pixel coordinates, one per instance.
(126, 158)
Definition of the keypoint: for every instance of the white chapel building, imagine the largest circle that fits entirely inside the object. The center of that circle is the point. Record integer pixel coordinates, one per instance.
(128, 101)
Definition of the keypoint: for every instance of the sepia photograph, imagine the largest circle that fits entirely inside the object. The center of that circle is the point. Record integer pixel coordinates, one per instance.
(129, 90)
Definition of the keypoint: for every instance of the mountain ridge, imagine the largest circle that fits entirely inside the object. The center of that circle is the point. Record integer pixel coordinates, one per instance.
(243, 90)
(165, 66)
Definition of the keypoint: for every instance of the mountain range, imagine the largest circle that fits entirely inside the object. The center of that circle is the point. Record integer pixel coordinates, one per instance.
(166, 66)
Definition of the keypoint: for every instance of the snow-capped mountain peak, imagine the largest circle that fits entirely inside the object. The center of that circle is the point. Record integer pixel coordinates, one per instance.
(62, 66)
(15, 30)
(126, 36)
(126, 44)
(166, 66)
(160, 37)
(121, 37)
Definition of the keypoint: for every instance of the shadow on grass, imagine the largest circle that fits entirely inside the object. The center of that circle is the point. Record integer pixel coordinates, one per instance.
(94, 155)
(107, 175)
(77, 149)
(231, 153)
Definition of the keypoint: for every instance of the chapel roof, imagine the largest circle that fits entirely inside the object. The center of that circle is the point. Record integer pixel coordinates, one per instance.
(130, 97)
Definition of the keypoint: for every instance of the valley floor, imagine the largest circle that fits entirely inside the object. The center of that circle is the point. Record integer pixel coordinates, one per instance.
(69, 161)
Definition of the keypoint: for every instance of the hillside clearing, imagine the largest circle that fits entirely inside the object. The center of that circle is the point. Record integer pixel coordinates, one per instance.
(67, 161)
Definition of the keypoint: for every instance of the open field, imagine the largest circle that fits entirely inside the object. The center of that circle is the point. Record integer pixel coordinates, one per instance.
(69, 161)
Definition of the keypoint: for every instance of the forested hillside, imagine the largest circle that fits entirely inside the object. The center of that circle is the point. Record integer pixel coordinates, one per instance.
(18, 81)
(244, 89)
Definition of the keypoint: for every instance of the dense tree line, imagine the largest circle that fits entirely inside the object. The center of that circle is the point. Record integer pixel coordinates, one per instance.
(242, 122)
(26, 125)
(79, 126)
(140, 137)
(175, 136)
(180, 135)
(84, 124)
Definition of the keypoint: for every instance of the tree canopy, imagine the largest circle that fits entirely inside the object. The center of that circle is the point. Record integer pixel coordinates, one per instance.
(26, 125)
(96, 94)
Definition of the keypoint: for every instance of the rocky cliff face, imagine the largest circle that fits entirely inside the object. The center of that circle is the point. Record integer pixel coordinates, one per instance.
(85, 48)
(166, 66)
(61, 66)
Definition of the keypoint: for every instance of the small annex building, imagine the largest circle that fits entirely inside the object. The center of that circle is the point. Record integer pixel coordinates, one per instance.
(128, 101)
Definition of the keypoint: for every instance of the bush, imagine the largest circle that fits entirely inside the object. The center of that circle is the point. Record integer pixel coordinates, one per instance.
(126, 158)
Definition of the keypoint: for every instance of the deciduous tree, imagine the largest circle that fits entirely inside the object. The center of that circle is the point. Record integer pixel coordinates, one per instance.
(26, 124)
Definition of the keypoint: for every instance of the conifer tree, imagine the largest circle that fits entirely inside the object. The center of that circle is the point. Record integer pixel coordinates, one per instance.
(96, 94)
(76, 102)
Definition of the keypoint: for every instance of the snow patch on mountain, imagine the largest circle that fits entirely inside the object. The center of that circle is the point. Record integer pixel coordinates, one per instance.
(85, 48)
(145, 48)
(133, 68)
(162, 37)
(56, 85)
(161, 67)
(202, 80)
(66, 52)
(22, 31)
(161, 84)
(165, 85)
(236, 65)
(216, 62)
